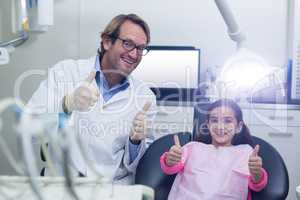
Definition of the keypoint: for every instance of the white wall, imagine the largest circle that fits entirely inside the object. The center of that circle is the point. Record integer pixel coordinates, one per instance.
(197, 23)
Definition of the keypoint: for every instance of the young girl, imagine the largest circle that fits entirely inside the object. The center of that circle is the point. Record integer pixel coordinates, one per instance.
(224, 169)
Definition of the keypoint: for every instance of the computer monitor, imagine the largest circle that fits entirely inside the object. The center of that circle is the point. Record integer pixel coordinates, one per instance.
(171, 72)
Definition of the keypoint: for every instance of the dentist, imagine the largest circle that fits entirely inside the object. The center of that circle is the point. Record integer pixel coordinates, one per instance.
(111, 111)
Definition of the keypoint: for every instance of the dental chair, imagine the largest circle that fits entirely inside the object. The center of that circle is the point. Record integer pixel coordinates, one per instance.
(150, 174)
(148, 171)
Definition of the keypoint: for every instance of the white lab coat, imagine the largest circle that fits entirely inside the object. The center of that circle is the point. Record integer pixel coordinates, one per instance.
(103, 131)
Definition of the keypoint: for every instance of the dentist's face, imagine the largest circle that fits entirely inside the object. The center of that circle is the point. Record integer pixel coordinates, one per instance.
(223, 125)
(117, 56)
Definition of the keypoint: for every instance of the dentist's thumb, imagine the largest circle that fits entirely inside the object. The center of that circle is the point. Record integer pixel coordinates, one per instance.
(91, 77)
(146, 107)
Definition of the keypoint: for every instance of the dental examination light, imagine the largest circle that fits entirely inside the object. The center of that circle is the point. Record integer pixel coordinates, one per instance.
(244, 69)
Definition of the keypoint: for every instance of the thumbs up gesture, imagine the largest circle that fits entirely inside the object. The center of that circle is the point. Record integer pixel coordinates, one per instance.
(84, 96)
(139, 129)
(175, 153)
(255, 164)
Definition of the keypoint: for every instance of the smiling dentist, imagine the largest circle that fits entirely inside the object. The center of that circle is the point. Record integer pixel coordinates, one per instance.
(111, 111)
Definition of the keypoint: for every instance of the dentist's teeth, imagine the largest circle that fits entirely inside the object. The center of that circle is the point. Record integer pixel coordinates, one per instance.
(128, 61)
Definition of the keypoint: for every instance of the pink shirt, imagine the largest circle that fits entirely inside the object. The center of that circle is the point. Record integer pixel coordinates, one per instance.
(209, 173)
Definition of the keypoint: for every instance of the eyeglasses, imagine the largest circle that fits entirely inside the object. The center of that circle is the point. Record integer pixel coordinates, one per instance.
(142, 50)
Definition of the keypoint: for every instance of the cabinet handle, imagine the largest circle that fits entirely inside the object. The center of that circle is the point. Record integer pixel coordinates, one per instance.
(161, 131)
(162, 113)
(282, 135)
(288, 118)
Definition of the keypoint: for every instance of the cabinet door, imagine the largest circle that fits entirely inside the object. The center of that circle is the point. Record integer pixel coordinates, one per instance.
(247, 116)
(274, 117)
(277, 134)
(179, 114)
(161, 129)
(173, 119)
(270, 117)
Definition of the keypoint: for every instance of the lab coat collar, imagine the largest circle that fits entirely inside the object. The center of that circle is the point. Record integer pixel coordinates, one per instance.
(125, 94)
(121, 86)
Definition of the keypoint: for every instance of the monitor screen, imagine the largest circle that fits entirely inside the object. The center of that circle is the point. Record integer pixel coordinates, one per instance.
(171, 72)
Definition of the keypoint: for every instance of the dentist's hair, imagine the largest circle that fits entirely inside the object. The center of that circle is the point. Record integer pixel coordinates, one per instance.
(243, 137)
(112, 30)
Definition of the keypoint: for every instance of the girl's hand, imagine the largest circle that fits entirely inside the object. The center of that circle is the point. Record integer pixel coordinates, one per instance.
(255, 165)
(175, 153)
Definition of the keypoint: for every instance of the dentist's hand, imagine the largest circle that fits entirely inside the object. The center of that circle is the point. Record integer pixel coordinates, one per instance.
(175, 153)
(139, 129)
(255, 164)
(84, 96)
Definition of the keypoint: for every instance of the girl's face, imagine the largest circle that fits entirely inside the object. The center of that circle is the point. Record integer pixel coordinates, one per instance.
(223, 125)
